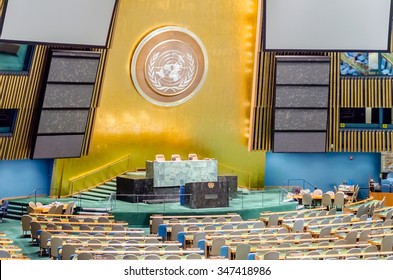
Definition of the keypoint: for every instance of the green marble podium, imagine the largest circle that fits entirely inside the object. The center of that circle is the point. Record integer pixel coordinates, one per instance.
(178, 173)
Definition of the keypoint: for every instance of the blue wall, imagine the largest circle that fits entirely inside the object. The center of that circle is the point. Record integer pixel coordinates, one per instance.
(21, 177)
(323, 170)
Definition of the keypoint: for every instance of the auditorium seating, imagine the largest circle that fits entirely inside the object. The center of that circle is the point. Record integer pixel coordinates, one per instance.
(313, 234)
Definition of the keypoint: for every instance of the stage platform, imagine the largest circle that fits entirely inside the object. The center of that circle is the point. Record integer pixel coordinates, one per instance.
(249, 204)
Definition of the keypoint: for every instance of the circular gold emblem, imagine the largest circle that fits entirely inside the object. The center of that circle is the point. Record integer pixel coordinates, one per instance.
(210, 185)
(169, 66)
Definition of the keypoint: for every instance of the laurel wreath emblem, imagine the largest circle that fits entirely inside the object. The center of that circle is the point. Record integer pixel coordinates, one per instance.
(184, 83)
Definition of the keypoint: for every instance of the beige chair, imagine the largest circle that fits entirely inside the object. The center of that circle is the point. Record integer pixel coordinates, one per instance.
(193, 257)
(44, 242)
(217, 243)
(192, 157)
(371, 249)
(108, 257)
(52, 209)
(132, 257)
(361, 210)
(152, 257)
(326, 200)
(4, 254)
(26, 220)
(307, 200)
(271, 255)
(325, 232)
(198, 236)
(94, 244)
(175, 230)
(258, 225)
(298, 226)
(67, 250)
(34, 228)
(59, 209)
(387, 243)
(55, 243)
(118, 228)
(175, 157)
(273, 220)
(236, 218)
(317, 192)
(103, 220)
(332, 211)
(207, 220)
(339, 200)
(85, 256)
(160, 157)
(355, 194)
(242, 251)
(351, 237)
(70, 208)
(29, 209)
(209, 227)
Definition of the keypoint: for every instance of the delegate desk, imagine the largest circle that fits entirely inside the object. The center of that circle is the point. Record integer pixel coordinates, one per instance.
(45, 208)
(178, 173)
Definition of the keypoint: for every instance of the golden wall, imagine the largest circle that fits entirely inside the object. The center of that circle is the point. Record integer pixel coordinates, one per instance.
(214, 123)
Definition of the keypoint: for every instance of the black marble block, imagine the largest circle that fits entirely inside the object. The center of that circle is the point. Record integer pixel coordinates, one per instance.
(206, 195)
(128, 186)
(231, 182)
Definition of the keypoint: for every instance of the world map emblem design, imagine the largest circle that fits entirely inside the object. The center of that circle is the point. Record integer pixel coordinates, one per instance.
(169, 66)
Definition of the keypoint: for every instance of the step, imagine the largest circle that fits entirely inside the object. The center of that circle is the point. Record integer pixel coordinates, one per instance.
(106, 187)
(13, 216)
(102, 191)
(89, 197)
(110, 184)
(97, 194)
(137, 173)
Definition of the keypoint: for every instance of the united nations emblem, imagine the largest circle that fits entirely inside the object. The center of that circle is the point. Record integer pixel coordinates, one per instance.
(169, 66)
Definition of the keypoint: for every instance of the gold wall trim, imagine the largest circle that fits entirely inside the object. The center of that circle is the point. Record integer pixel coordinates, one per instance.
(95, 101)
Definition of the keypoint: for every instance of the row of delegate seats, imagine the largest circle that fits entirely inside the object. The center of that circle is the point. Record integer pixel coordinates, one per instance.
(60, 243)
(368, 223)
(8, 250)
(108, 256)
(185, 234)
(158, 219)
(54, 208)
(61, 248)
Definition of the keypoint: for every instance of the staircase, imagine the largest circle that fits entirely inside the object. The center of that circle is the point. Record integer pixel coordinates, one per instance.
(16, 209)
(99, 193)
